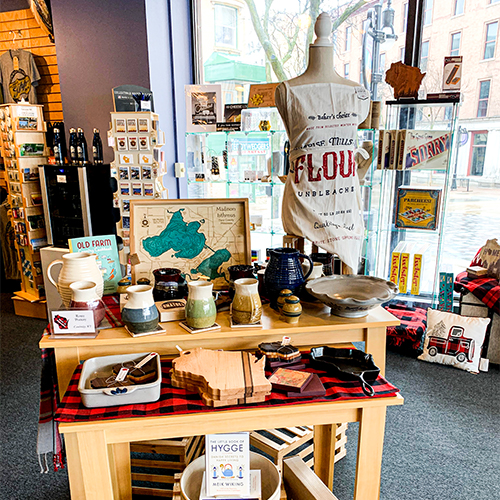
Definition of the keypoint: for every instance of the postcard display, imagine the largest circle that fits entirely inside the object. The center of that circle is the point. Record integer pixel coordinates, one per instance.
(23, 146)
(138, 166)
(415, 155)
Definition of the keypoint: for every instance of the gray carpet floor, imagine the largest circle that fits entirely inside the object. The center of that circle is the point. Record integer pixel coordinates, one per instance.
(444, 443)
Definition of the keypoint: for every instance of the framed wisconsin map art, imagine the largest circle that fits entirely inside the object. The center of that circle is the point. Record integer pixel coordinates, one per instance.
(202, 238)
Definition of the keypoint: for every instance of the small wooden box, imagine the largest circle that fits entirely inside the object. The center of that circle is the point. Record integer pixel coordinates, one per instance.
(167, 457)
(31, 309)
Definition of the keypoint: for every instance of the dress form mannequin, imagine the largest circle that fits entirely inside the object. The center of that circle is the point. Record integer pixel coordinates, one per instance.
(320, 67)
(321, 112)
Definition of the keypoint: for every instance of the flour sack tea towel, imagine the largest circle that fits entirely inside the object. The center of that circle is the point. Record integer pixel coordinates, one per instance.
(322, 200)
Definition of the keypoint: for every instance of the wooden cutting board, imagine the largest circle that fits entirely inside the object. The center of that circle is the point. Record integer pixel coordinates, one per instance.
(225, 376)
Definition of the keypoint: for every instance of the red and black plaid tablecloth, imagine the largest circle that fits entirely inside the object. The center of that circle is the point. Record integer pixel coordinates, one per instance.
(179, 401)
(485, 289)
(409, 335)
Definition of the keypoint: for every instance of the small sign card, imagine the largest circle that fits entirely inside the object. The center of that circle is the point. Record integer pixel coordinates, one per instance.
(73, 322)
(228, 464)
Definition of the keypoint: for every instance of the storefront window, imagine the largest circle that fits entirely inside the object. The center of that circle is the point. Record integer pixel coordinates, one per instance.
(491, 39)
(484, 95)
(478, 152)
(455, 44)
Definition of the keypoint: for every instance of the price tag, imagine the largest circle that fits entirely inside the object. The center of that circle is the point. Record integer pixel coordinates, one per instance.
(61, 179)
(122, 375)
(146, 359)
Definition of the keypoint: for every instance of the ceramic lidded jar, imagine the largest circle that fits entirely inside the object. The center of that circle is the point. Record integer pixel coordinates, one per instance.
(85, 297)
(292, 309)
(81, 266)
(246, 308)
(140, 314)
(282, 296)
(200, 306)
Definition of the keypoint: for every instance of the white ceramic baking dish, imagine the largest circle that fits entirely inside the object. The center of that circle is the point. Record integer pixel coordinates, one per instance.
(129, 395)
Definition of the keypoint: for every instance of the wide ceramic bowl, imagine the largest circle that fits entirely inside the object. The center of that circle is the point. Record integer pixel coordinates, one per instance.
(350, 295)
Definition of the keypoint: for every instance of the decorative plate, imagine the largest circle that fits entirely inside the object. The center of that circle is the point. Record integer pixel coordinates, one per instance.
(351, 296)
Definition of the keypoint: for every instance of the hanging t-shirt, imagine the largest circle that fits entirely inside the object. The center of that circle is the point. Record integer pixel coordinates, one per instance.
(322, 199)
(18, 76)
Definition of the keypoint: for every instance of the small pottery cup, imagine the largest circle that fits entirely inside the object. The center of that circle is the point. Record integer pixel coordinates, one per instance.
(291, 309)
(140, 314)
(200, 306)
(143, 281)
(282, 296)
(247, 307)
(85, 297)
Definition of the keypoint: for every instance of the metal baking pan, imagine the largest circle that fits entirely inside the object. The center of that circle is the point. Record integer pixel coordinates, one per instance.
(346, 364)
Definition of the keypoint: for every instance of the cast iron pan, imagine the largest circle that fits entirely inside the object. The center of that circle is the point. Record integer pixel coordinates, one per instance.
(346, 364)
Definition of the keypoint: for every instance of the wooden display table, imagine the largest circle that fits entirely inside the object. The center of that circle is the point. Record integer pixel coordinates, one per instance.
(316, 327)
(98, 453)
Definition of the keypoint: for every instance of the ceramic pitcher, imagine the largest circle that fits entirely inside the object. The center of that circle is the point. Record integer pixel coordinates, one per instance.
(76, 267)
(84, 296)
(200, 306)
(246, 308)
(284, 270)
(140, 314)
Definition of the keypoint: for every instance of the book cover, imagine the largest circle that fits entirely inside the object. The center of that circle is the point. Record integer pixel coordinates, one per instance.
(289, 380)
(449, 292)
(228, 464)
(380, 150)
(106, 249)
(393, 148)
(417, 208)
(442, 292)
(255, 489)
(425, 149)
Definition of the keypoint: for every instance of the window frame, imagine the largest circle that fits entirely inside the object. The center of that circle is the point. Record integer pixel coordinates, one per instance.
(491, 41)
(424, 13)
(487, 99)
(455, 8)
(405, 17)
(459, 42)
(471, 150)
(428, 42)
(223, 45)
(346, 74)
(348, 39)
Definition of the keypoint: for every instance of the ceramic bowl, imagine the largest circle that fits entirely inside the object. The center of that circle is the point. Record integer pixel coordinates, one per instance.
(351, 296)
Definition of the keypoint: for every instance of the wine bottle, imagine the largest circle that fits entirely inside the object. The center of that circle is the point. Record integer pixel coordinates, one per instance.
(58, 152)
(81, 148)
(97, 147)
(73, 154)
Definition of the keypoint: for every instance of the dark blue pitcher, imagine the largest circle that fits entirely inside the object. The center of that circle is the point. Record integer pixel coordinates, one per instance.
(284, 271)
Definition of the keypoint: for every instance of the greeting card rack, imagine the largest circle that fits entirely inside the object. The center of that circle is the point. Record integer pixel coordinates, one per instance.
(138, 167)
(23, 146)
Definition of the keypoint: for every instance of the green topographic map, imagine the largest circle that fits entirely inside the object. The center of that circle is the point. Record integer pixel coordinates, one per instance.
(187, 242)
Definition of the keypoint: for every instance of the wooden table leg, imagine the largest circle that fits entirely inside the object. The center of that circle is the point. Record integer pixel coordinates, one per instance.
(375, 344)
(324, 452)
(119, 463)
(76, 487)
(370, 446)
(90, 451)
(67, 360)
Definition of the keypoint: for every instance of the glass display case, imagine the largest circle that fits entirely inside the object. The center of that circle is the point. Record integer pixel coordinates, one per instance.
(402, 229)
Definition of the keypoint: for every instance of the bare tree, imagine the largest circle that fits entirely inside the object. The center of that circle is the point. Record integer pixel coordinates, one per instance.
(279, 33)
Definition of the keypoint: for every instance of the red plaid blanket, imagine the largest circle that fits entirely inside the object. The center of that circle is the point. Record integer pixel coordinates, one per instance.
(485, 289)
(180, 401)
(49, 440)
(410, 333)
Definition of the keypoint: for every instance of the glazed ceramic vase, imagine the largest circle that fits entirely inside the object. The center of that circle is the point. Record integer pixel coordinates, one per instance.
(85, 297)
(76, 267)
(169, 284)
(284, 270)
(246, 308)
(140, 314)
(291, 309)
(200, 306)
